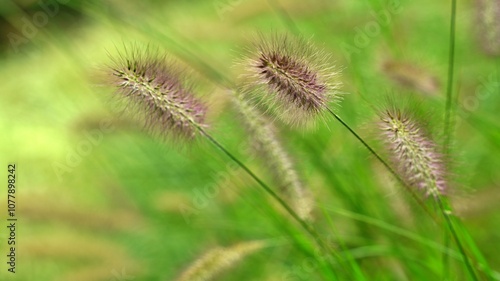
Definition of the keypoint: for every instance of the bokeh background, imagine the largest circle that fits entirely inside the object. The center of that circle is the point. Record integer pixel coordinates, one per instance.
(100, 199)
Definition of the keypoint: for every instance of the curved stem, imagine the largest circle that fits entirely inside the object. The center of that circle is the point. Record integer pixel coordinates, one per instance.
(447, 213)
(384, 163)
(273, 194)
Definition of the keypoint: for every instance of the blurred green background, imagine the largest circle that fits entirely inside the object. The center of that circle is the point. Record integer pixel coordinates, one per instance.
(100, 199)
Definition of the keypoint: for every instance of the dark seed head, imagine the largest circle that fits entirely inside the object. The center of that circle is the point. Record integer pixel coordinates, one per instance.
(289, 77)
(156, 90)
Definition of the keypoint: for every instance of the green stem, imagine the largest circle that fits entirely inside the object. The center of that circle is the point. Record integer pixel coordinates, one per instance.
(384, 163)
(294, 215)
(447, 213)
(446, 258)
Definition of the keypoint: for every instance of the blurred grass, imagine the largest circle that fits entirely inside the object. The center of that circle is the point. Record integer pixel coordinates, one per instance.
(120, 208)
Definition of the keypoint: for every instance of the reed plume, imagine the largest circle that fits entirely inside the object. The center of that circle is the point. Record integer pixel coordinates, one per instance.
(158, 92)
(265, 140)
(290, 78)
(413, 153)
(219, 259)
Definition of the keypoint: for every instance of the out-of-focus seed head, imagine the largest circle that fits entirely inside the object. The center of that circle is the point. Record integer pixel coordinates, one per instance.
(488, 24)
(154, 89)
(290, 77)
(413, 153)
(412, 77)
(217, 260)
(265, 141)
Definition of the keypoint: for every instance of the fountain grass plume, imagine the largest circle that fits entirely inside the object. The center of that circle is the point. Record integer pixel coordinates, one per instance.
(290, 77)
(414, 154)
(265, 140)
(157, 91)
(488, 23)
(217, 260)
(412, 77)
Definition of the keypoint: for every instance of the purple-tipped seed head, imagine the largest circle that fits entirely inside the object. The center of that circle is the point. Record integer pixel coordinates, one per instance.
(157, 91)
(414, 154)
(290, 78)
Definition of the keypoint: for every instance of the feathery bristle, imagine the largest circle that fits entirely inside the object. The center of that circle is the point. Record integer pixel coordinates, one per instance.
(215, 261)
(414, 154)
(267, 144)
(157, 91)
(290, 77)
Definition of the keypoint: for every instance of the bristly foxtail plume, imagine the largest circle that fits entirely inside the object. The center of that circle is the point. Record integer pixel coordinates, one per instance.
(414, 154)
(219, 259)
(290, 77)
(265, 140)
(157, 91)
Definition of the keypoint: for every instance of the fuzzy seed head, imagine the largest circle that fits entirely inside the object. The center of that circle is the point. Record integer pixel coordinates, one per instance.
(267, 144)
(414, 155)
(219, 259)
(290, 78)
(156, 91)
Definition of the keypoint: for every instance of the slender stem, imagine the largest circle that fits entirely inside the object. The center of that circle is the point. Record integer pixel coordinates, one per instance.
(446, 258)
(384, 163)
(449, 88)
(302, 223)
(448, 132)
(447, 213)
